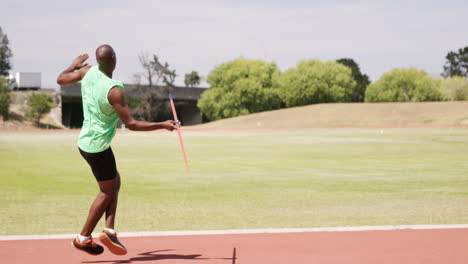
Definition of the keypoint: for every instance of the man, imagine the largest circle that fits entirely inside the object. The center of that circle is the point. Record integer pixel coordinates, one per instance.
(103, 104)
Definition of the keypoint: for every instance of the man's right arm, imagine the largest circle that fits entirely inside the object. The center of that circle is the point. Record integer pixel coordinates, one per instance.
(117, 99)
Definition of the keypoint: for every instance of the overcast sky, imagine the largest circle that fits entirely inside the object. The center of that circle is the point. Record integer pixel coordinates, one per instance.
(198, 35)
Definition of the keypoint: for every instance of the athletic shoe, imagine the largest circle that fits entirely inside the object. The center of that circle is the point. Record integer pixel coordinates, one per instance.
(112, 243)
(89, 246)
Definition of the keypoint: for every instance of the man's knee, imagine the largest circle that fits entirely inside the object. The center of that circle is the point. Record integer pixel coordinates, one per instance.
(110, 190)
(108, 195)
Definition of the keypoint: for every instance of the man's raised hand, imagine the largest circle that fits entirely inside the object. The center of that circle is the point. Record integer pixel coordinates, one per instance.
(79, 62)
(75, 72)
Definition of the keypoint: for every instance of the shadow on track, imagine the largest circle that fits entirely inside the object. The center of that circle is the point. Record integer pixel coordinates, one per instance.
(156, 255)
(148, 256)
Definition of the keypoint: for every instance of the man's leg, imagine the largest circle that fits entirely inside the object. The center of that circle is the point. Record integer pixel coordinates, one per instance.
(106, 198)
(112, 208)
(109, 237)
(105, 171)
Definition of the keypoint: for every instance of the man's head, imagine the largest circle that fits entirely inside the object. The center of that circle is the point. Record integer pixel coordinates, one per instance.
(105, 56)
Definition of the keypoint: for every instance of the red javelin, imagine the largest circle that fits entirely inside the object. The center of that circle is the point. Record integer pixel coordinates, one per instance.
(178, 131)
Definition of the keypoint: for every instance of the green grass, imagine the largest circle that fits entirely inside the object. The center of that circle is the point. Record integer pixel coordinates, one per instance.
(256, 179)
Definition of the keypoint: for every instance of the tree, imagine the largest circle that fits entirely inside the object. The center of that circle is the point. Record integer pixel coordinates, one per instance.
(5, 54)
(457, 63)
(404, 85)
(152, 104)
(314, 81)
(162, 70)
(454, 88)
(149, 72)
(192, 79)
(362, 80)
(154, 69)
(39, 105)
(4, 98)
(240, 87)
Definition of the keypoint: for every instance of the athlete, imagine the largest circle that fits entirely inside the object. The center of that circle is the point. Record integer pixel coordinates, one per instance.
(103, 105)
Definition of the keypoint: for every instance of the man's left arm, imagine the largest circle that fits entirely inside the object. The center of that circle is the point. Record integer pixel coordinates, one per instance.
(75, 72)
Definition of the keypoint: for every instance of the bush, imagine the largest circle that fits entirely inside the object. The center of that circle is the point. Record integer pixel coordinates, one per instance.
(313, 82)
(404, 85)
(240, 87)
(39, 105)
(4, 98)
(455, 88)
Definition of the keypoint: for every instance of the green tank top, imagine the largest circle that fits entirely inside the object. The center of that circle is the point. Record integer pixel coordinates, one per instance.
(100, 118)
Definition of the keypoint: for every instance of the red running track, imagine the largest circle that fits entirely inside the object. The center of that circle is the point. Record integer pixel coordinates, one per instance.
(437, 246)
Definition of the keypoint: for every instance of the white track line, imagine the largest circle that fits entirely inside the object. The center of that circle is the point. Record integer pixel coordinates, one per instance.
(246, 231)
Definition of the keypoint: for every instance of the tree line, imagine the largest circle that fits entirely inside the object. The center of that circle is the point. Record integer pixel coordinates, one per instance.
(245, 86)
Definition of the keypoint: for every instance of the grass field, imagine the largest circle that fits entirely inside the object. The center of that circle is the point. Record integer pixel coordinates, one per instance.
(241, 179)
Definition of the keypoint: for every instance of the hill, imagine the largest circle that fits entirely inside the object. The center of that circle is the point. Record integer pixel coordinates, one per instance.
(354, 115)
(19, 107)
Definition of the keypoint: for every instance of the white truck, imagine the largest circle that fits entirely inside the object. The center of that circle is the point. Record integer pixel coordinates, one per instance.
(25, 80)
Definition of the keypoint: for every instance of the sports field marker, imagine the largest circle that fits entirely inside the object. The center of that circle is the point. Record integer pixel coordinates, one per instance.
(247, 231)
(178, 131)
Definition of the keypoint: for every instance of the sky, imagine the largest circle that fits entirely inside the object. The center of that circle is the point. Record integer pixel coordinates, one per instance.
(45, 36)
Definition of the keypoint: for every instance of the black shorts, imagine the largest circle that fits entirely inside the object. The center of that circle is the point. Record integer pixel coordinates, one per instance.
(102, 164)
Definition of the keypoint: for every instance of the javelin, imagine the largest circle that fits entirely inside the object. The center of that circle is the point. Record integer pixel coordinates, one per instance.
(178, 130)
